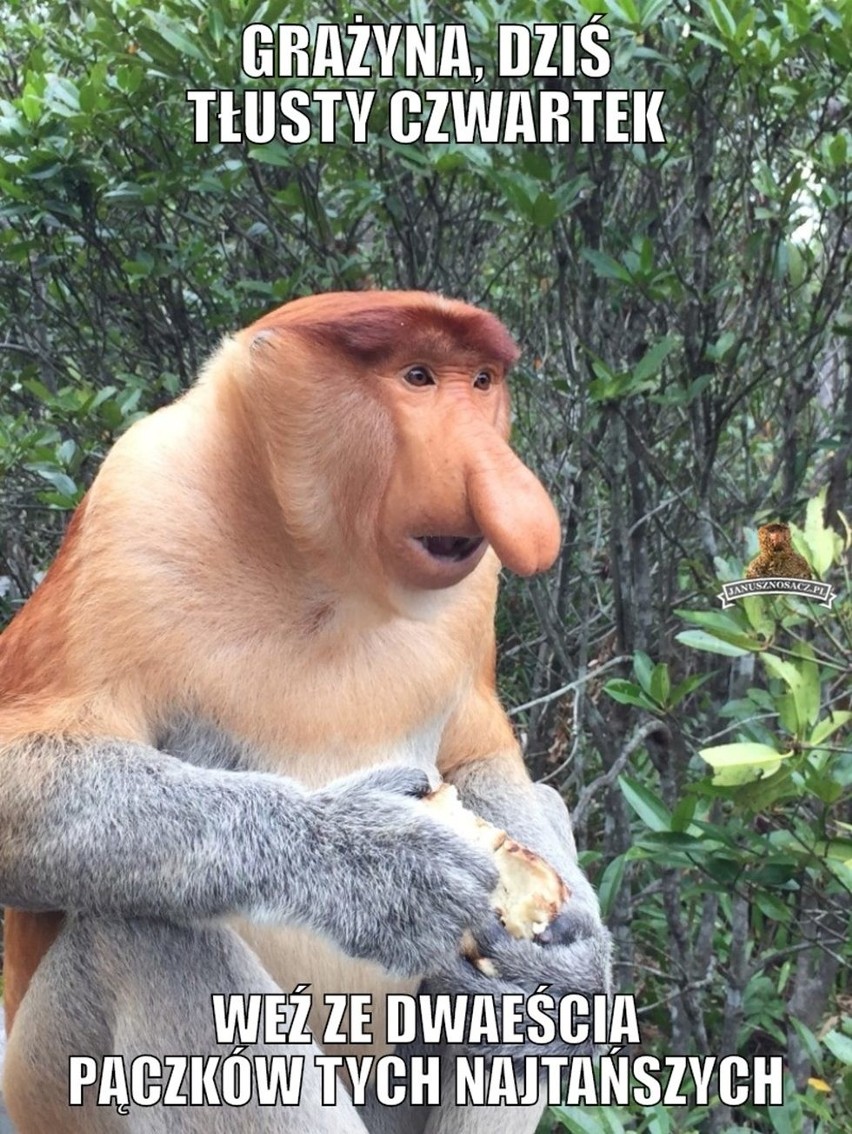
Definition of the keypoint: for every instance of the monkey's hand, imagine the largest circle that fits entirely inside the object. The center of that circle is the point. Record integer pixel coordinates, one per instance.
(389, 883)
(572, 955)
(576, 961)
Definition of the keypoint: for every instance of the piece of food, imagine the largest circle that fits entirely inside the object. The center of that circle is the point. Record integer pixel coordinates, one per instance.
(529, 893)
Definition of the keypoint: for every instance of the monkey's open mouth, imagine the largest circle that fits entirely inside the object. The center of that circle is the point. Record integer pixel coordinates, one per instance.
(454, 548)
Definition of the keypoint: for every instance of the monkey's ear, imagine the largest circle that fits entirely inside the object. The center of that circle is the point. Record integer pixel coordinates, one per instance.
(359, 339)
(262, 340)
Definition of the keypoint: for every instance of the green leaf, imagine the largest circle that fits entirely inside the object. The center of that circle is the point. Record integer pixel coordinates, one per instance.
(786, 670)
(808, 692)
(839, 849)
(684, 812)
(839, 1045)
(610, 884)
(700, 640)
(653, 813)
(823, 544)
(172, 32)
(61, 95)
(722, 18)
(824, 728)
(578, 1120)
(758, 789)
(743, 763)
(60, 480)
(544, 210)
(272, 153)
(788, 714)
(689, 684)
(626, 693)
(66, 451)
(652, 10)
(809, 1041)
(771, 906)
(605, 266)
(743, 753)
(643, 667)
(715, 620)
(626, 11)
(837, 150)
(722, 625)
(723, 344)
(786, 1119)
(649, 365)
(672, 840)
(755, 609)
(660, 683)
(800, 707)
(38, 389)
(743, 776)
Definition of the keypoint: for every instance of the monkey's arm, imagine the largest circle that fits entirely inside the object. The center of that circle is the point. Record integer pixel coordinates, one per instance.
(481, 757)
(120, 828)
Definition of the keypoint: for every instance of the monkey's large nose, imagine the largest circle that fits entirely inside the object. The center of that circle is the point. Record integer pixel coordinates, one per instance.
(511, 507)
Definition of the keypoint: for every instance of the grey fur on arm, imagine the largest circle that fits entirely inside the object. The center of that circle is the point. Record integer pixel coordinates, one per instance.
(116, 828)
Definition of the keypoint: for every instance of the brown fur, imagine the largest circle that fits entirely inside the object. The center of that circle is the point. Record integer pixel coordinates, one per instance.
(777, 558)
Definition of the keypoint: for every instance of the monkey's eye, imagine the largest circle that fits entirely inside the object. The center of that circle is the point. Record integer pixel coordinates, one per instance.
(419, 376)
(483, 381)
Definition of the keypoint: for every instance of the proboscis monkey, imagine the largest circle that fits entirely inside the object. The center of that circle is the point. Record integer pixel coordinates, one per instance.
(777, 558)
(268, 630)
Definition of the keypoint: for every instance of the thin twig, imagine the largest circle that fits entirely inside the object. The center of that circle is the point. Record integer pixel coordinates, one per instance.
(609, 777)
(548, 697)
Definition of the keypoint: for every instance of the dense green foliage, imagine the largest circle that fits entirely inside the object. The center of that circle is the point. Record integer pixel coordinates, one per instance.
(684, 314)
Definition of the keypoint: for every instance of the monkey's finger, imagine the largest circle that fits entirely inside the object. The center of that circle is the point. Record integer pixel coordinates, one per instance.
(411, 782)
(489, 935)
(572, 923)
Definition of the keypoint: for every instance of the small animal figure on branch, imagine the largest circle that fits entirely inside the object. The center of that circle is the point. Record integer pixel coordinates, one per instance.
(777, 559)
